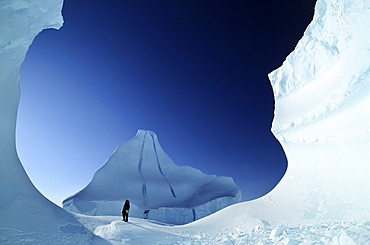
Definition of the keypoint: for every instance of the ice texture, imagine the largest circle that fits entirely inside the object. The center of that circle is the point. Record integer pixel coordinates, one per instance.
(26, 216)
(142, 172)
(322, 115)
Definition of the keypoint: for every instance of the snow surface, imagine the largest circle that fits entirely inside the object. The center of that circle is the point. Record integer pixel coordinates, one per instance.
(142, 172)
(212, 231)
(322, 117)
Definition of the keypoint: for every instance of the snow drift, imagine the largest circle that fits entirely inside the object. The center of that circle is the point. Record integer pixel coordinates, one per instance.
(142, 172)
(21, 205)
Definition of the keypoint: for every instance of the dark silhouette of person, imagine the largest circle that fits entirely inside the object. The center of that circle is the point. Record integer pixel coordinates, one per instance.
(125, 210)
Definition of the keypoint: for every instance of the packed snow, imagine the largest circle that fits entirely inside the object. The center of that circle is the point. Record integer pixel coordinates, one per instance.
(212, 230)
(142, 172)
(322, 93)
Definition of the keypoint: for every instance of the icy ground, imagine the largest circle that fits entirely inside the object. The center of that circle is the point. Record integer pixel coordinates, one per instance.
(141, 231)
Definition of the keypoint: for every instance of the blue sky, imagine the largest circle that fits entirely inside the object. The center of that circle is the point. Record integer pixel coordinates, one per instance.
(194, 72)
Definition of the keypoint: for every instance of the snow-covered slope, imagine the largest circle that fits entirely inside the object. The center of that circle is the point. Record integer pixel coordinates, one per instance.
(26, 216)
(142, 172)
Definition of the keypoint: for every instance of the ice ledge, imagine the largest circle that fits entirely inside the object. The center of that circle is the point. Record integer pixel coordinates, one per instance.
(338, 28)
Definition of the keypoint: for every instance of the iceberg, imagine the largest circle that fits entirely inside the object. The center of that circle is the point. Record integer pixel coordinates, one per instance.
(21, 205)
(157, 188)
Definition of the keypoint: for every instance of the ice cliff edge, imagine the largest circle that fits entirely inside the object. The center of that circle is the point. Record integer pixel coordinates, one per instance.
(322, 113)
(142, 172)
(322, 120)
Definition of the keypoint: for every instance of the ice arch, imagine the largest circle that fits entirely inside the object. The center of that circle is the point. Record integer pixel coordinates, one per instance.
(26, 216)
(321, 119)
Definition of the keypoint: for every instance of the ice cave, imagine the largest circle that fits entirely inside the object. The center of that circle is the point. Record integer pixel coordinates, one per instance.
(322, 97)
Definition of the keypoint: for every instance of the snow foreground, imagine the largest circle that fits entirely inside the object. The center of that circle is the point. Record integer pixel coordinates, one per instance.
(140, 231)
(157, 188)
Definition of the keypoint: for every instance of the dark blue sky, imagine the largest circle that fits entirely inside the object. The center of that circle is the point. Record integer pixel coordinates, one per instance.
(194, 72)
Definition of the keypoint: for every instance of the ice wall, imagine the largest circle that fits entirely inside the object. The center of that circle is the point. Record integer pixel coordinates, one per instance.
(322, 112)
(26, 216)
(322, 120)
(142, 172)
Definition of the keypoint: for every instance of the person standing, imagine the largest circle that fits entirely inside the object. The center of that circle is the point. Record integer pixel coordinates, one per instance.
(125, 210)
